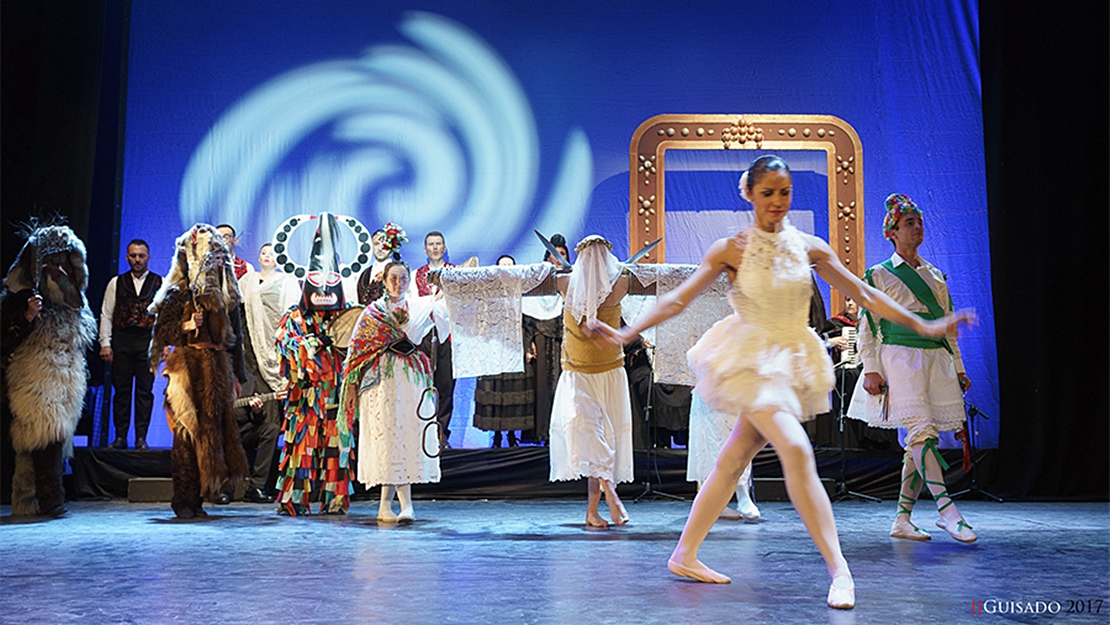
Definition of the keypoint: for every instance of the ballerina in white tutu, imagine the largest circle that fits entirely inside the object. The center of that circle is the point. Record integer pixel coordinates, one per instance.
(766, 365)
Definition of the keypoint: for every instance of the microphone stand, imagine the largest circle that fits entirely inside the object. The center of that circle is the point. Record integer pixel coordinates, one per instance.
(973, 488)
(652, 455)
(842, 491)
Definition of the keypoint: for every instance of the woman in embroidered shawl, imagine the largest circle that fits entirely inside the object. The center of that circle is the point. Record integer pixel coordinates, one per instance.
(388, 387)
(764, 364)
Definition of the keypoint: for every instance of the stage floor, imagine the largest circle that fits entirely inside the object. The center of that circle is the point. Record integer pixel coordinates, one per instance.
(533, 561)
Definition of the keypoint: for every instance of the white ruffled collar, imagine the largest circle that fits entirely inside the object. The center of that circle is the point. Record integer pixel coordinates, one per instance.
(780, 227)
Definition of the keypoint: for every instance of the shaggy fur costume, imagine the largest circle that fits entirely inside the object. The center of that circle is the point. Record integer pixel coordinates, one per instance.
(44, 363)
(207, 456)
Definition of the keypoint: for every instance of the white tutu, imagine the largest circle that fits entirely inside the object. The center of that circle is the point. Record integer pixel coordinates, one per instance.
(591, 427)
(923, 388)
(742, 367)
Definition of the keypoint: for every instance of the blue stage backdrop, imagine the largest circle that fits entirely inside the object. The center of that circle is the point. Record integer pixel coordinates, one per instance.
(487, 119)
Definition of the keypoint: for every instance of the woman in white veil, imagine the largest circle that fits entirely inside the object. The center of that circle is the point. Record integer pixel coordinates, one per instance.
(591, 419)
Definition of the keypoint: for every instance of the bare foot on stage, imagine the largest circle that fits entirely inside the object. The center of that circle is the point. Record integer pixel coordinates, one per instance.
(617, 511)
(697, 572)
(593, 519)
(618, 514)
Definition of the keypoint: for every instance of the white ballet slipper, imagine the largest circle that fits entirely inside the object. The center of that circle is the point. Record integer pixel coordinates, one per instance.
(701, 573)
(842, 593)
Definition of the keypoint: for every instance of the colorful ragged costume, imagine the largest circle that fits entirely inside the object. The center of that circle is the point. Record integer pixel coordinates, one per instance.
(316, 456)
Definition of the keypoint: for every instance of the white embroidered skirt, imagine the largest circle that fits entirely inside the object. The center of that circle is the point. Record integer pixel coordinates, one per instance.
(591, 427)
(709, 429)
(392, 439)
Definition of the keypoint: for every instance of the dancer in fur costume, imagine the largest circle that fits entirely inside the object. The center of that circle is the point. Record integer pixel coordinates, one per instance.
(197, 312)
(316, 457)
(46, 328)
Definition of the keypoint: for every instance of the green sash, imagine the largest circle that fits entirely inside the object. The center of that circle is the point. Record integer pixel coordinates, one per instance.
(894, 334)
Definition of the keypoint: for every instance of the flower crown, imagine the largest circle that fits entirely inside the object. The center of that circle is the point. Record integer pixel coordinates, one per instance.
(593, 239)
(394, 237)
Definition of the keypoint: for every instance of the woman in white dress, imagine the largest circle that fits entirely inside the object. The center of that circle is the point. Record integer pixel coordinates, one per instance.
(387, 385)
(766, 365)
(591, 418)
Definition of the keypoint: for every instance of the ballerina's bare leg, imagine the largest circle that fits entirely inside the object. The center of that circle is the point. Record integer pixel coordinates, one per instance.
(739, 450)
(790, 442)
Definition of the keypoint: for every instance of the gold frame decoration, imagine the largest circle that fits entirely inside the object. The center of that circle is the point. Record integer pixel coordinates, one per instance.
(844, 157)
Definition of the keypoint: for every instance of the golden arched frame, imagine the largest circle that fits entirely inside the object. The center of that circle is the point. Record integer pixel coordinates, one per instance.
(834, 136)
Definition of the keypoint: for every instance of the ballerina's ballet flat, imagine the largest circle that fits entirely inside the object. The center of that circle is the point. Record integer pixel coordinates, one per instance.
(708, 575)
(842, 593)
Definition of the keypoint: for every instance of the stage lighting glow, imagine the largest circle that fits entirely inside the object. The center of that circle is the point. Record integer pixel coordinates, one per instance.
(437, 136)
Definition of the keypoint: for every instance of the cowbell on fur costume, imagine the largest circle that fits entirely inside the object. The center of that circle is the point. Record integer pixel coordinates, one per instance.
(44, 363)
(207, 456)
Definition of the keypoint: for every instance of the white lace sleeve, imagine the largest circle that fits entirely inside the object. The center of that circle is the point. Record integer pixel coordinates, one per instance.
(425, 313)
(542, 307)
(674, 337)
(485, 313)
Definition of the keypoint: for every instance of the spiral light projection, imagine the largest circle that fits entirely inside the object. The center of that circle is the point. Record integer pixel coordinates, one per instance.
(438, 136)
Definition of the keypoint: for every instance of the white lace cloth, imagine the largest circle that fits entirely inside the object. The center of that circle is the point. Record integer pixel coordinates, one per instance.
(674, 337)
(591, 280)
(485, 310)
(542, 307)
(486, 304)
(764, 355)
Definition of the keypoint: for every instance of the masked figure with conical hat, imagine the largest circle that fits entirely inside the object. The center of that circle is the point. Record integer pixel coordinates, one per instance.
(45, 328)
(315, 467)
(197, 333)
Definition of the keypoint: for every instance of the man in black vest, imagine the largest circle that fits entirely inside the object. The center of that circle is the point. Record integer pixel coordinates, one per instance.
(125, 326)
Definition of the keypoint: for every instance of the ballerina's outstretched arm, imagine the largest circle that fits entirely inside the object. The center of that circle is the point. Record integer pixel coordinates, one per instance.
(723, 256)
(829, 267)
